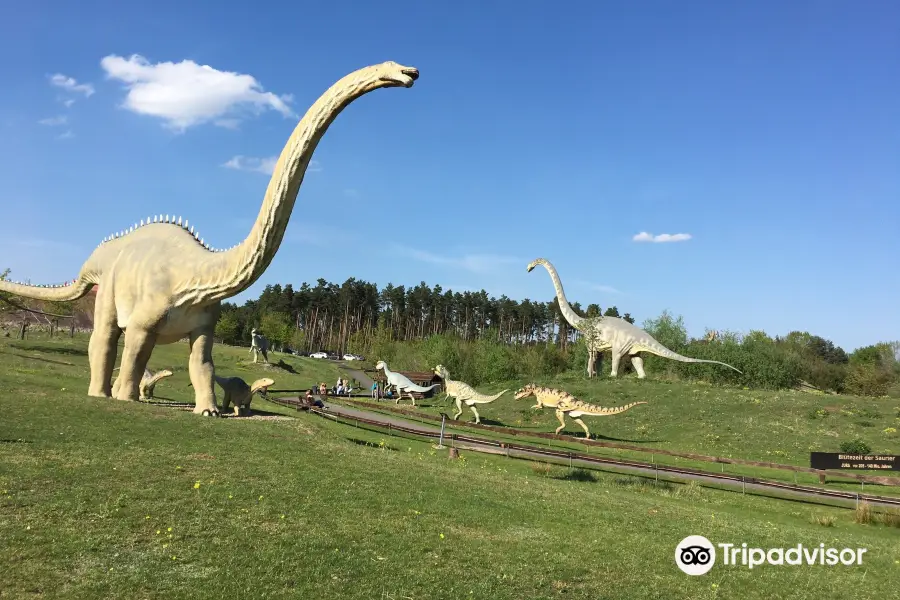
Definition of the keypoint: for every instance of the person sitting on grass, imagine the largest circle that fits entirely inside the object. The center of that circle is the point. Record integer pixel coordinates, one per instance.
(312, 400)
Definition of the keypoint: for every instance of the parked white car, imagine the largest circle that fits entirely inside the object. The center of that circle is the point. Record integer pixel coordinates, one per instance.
(318, 355)
(351, 357)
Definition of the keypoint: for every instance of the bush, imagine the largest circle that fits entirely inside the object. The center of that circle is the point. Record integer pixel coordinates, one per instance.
(493, 362)
(825, 376)
(856, 446)
(762, 364)
(868, 379)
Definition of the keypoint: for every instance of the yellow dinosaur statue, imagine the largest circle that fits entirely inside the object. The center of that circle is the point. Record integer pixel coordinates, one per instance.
(564, 402)
(463, 392)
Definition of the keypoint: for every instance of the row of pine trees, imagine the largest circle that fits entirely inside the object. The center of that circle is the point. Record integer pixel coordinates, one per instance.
(328, 316)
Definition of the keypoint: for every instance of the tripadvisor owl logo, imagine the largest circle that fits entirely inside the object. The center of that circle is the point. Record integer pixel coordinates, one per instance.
(696, 555)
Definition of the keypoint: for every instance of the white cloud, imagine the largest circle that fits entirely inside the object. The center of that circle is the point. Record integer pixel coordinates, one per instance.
(186, 94)
(71, 85)
(53, 121)
(662, 237)
(249, 163)
(228, 123)
(69, 102)
(476, 263)
(67, 135)
(351, 193)
(263, 165)
(607, 289)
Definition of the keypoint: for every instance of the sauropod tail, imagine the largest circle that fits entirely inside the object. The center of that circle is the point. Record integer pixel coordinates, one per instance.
(62, 293)
(658, 349)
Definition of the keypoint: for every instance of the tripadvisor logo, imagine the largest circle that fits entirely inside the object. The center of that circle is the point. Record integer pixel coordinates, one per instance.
(696, 555)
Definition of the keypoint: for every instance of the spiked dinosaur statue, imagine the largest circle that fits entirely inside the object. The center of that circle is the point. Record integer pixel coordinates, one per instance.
(613, 333)
(237, 391)
(565, 402)
(159, 282)
(463, 392)
(401, 383)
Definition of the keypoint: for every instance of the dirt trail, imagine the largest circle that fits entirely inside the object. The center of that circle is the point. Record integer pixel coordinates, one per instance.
(362, 378)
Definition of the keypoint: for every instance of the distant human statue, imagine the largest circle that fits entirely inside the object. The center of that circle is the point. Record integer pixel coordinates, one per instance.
(259, 345)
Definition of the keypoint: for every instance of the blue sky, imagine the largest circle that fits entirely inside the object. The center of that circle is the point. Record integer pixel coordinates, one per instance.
(769, 133)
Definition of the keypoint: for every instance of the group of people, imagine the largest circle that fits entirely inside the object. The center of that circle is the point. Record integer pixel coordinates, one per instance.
(342, 387)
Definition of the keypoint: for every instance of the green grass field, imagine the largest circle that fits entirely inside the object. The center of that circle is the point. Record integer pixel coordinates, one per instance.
(109, 499)
(779, 427)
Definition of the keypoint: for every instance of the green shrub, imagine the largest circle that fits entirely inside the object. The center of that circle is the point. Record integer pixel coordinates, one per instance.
(493, 362)
(868, 379)
(856, 446)
(762, 364)
(823, 375)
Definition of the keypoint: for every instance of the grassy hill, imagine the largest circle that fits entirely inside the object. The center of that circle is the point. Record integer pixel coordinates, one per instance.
(110, 499)
(782, 426)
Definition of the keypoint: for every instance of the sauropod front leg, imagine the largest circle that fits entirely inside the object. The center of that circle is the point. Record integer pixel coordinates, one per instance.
(116, 385)
(202, 372)
(616, 357)
(138, 348)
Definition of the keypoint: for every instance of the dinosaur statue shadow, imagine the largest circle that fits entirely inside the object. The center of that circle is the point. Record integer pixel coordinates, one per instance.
(38, 358)
(255, 412)
(577, 475)
(471, 421)
(279, 365)
(360, 442)
(598, 436)
(157, 397)
(50, 349)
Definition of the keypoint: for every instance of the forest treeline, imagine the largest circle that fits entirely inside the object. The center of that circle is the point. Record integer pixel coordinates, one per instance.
(482, 339)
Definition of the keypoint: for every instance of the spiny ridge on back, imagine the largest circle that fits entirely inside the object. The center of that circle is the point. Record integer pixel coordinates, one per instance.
(43, 285)
(163, 219)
